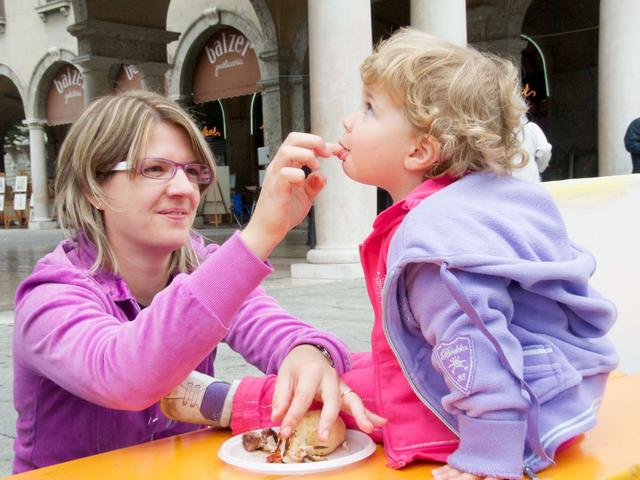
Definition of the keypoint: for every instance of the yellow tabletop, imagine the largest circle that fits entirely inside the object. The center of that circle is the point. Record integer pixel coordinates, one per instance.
(610, 451)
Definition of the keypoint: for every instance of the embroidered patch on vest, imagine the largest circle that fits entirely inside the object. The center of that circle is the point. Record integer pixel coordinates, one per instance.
(457, 361)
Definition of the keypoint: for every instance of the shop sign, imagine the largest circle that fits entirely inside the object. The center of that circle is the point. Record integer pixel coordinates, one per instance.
(128, 78)
(227, 67)
(65, 101)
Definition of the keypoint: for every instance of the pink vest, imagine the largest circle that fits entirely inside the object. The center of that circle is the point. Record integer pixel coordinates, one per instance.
(412, 431)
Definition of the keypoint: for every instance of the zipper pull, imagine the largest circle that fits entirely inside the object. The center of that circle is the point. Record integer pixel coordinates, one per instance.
(529, 472)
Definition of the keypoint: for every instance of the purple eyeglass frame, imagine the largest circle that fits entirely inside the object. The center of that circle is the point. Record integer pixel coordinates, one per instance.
(124, 166)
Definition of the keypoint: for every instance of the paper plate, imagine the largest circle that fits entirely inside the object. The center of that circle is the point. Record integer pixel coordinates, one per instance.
(359, 446)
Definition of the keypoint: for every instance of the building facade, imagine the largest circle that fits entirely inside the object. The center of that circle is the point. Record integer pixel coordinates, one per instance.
(250, 71)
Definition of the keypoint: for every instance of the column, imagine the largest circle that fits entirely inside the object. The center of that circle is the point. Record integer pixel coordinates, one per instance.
(154, 76)
(618, 80)
(443, 18)
(95, 73)
(339, 39)
(271, 113)
(40, 218)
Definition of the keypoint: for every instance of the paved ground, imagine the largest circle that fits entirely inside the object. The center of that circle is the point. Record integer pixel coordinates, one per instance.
(341, 307)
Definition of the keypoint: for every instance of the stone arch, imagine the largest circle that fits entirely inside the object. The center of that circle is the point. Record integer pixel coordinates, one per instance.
(196, 35)
(45, 69)
(265, 45)
(6, 71)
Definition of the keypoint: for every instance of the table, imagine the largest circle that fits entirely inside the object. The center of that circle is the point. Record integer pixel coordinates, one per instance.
(610, 451)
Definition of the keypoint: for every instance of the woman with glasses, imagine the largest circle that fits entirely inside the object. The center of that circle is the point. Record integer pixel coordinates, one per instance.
(130, 308)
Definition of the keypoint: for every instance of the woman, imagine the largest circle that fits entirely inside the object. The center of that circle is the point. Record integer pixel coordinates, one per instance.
(126, 308)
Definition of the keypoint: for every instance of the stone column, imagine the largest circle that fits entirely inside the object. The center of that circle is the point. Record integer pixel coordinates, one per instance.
(339, 39)
(443, 18)
(41, 218)
(618, 80)
(154, 76)
(271, 113)
(95, 73)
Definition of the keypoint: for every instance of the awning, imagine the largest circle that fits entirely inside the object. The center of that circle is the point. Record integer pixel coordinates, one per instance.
(128, 78)
(227, 67)
(65, 101)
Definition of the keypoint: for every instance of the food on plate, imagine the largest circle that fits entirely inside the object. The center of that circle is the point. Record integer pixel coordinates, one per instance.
(302, 445)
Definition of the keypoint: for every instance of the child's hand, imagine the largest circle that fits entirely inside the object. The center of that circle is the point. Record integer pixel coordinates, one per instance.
(286, 194)
(450, 473)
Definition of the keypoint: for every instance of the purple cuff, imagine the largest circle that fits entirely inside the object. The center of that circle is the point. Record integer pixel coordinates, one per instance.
(224, 280)
(213, 400)
(490, 448)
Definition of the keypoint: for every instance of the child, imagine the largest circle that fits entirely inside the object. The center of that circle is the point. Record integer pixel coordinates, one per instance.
(487, 348)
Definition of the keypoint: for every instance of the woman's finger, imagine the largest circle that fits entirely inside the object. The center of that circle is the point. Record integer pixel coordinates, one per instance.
(294, 155)
(330, 390)
(281, 396)
(306, 140)
(330, 150)
(314, 183)
(303, 396)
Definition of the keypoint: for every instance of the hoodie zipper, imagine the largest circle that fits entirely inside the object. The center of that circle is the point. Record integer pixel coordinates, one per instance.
(404, 369)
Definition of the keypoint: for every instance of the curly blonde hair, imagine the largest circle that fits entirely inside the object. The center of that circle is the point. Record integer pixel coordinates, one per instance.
(469, 101)
(112, 129)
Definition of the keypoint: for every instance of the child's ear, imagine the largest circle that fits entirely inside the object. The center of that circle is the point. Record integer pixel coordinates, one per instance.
(424, 155)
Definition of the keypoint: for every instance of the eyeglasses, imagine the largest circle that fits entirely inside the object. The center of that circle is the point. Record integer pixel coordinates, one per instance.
(163, 169)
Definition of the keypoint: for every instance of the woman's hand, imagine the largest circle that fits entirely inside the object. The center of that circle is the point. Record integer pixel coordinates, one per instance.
(286, 195)
(449, 473)
(305, 375)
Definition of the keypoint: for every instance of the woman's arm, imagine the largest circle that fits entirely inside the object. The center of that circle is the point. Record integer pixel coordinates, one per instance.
(74, 334)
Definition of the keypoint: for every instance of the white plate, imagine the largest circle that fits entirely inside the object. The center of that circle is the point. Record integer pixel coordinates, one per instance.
(360, 446)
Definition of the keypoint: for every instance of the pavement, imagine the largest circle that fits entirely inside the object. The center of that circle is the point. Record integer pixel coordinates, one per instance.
(341, 307)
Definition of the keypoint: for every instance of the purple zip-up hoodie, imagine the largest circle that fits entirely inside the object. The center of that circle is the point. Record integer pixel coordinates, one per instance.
(90, 366)
(487, 306)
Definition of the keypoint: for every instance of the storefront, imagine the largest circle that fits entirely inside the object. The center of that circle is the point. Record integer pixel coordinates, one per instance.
(64, 104)
(228, 107)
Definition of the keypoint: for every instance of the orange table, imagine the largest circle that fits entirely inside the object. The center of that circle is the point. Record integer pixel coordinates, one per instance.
(610, 451)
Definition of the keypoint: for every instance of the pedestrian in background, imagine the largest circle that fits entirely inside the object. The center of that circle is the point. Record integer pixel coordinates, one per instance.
(534, 141)
(632, 143)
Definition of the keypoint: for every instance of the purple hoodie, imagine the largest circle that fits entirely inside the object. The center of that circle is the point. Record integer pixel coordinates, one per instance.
(90, 366)
(488, 308)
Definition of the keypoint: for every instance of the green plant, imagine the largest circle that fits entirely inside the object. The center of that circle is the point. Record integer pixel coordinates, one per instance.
(16, 134)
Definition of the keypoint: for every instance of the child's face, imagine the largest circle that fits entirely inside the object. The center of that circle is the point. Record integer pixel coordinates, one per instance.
(377, 140)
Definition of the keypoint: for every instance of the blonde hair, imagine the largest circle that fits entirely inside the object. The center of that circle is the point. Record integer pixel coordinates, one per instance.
(112, 129)
(469, 101)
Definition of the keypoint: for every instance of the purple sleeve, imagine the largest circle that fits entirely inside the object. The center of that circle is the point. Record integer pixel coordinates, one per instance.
(483, 395)
(264, 333)
(71, 333)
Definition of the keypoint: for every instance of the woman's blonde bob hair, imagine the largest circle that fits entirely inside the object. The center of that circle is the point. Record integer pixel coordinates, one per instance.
(469, 101)
(113, 129)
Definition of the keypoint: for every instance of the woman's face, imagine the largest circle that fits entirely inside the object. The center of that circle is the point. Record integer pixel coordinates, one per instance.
(146, 216)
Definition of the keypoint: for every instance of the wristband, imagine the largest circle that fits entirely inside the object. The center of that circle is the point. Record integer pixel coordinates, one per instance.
(325, 353)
